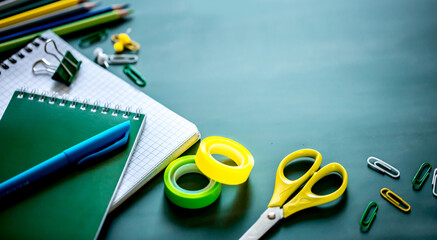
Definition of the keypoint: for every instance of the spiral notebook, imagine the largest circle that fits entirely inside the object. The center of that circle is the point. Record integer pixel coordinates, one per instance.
(73, 202)
(166, 136)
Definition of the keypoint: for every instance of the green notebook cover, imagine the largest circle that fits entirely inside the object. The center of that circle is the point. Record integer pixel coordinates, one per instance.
(72, 203)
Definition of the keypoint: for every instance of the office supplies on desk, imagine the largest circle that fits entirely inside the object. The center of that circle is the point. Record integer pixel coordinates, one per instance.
(69, 27)
(134, 75)
(71, 203)
(383, 167)
(366, 221)
(67, 69)
(36, 12)
(395, 200)
(65, 13)
(60, 22)
(79, 154)
(284, 188)
(23, 8)
(166, 136)
(191, 199)
(424, 170)
(92, 38)
(433, 185)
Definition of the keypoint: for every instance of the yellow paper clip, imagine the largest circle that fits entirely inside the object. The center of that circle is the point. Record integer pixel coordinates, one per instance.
(394, 199)
(434, 181)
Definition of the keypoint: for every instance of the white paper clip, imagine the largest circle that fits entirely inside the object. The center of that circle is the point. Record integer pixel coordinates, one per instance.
(434, 181)
(122, 59)
(383, 167)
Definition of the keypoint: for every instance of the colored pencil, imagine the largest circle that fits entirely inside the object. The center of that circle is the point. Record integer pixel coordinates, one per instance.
(61, 22)
(52, 17)
(7, 4)
(31, 14)
(69, 28)
(23, 7)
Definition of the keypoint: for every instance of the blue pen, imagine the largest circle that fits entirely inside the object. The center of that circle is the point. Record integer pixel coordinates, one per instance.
(81, 153)
(61, 22)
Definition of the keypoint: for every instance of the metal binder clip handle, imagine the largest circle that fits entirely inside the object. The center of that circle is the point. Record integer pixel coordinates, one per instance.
(47, 69)
(122, 59)
(54, 55)
(379, 166)
(434, 181)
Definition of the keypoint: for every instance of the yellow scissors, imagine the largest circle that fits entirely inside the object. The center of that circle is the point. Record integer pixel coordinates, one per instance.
(284, 187)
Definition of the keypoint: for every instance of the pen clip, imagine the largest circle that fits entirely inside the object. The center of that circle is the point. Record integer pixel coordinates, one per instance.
(122, 141)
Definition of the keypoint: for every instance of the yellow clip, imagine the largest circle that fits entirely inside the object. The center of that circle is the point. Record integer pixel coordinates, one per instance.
(394, 199)
(122, 41)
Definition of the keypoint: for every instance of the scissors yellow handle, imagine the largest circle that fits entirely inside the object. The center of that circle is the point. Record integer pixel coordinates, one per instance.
(305, 198)
(284, 187)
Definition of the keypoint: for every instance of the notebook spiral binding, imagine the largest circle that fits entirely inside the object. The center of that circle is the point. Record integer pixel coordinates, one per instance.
(20, 55)
(75, 103)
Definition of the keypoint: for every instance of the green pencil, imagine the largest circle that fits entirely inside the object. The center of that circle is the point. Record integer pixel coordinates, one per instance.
(69, 28)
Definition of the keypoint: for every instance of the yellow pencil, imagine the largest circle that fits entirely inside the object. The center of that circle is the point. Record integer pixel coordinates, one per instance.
(37, 12)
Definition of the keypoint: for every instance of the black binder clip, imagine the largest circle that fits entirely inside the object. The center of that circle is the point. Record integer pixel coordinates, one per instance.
(65, 72)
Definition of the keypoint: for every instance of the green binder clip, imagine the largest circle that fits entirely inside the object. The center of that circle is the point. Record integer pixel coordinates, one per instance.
(366, 221)
(65, 72)
(134, 75)
(92, 38)
(423, 170)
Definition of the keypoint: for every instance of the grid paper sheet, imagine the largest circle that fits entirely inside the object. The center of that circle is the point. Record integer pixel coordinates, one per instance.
(166, 134)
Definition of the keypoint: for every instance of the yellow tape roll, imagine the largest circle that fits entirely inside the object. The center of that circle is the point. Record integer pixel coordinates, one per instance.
(231, 175)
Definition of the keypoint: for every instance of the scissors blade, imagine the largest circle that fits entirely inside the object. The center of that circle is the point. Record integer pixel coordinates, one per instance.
(266, 221)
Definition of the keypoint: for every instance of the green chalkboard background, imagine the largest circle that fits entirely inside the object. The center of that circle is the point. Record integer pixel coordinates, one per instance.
(351, 79)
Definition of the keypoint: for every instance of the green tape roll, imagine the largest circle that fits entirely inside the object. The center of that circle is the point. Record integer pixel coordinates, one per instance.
(192, 199)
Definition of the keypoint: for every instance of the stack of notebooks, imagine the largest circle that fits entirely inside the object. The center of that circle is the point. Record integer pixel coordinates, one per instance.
(38, 124)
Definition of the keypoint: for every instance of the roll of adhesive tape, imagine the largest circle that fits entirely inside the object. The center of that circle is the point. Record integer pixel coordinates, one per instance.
(231, 175)
(188, 198)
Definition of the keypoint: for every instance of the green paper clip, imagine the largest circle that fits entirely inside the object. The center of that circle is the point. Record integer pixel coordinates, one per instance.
(92, 38)
(65, 72)
(133, 74)
(417, 183)
(365, 224)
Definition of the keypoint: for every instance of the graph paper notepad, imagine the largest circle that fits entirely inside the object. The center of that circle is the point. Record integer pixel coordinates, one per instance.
(166, 135)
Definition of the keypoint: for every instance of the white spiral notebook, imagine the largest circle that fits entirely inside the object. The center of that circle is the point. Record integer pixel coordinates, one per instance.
(165, 137)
